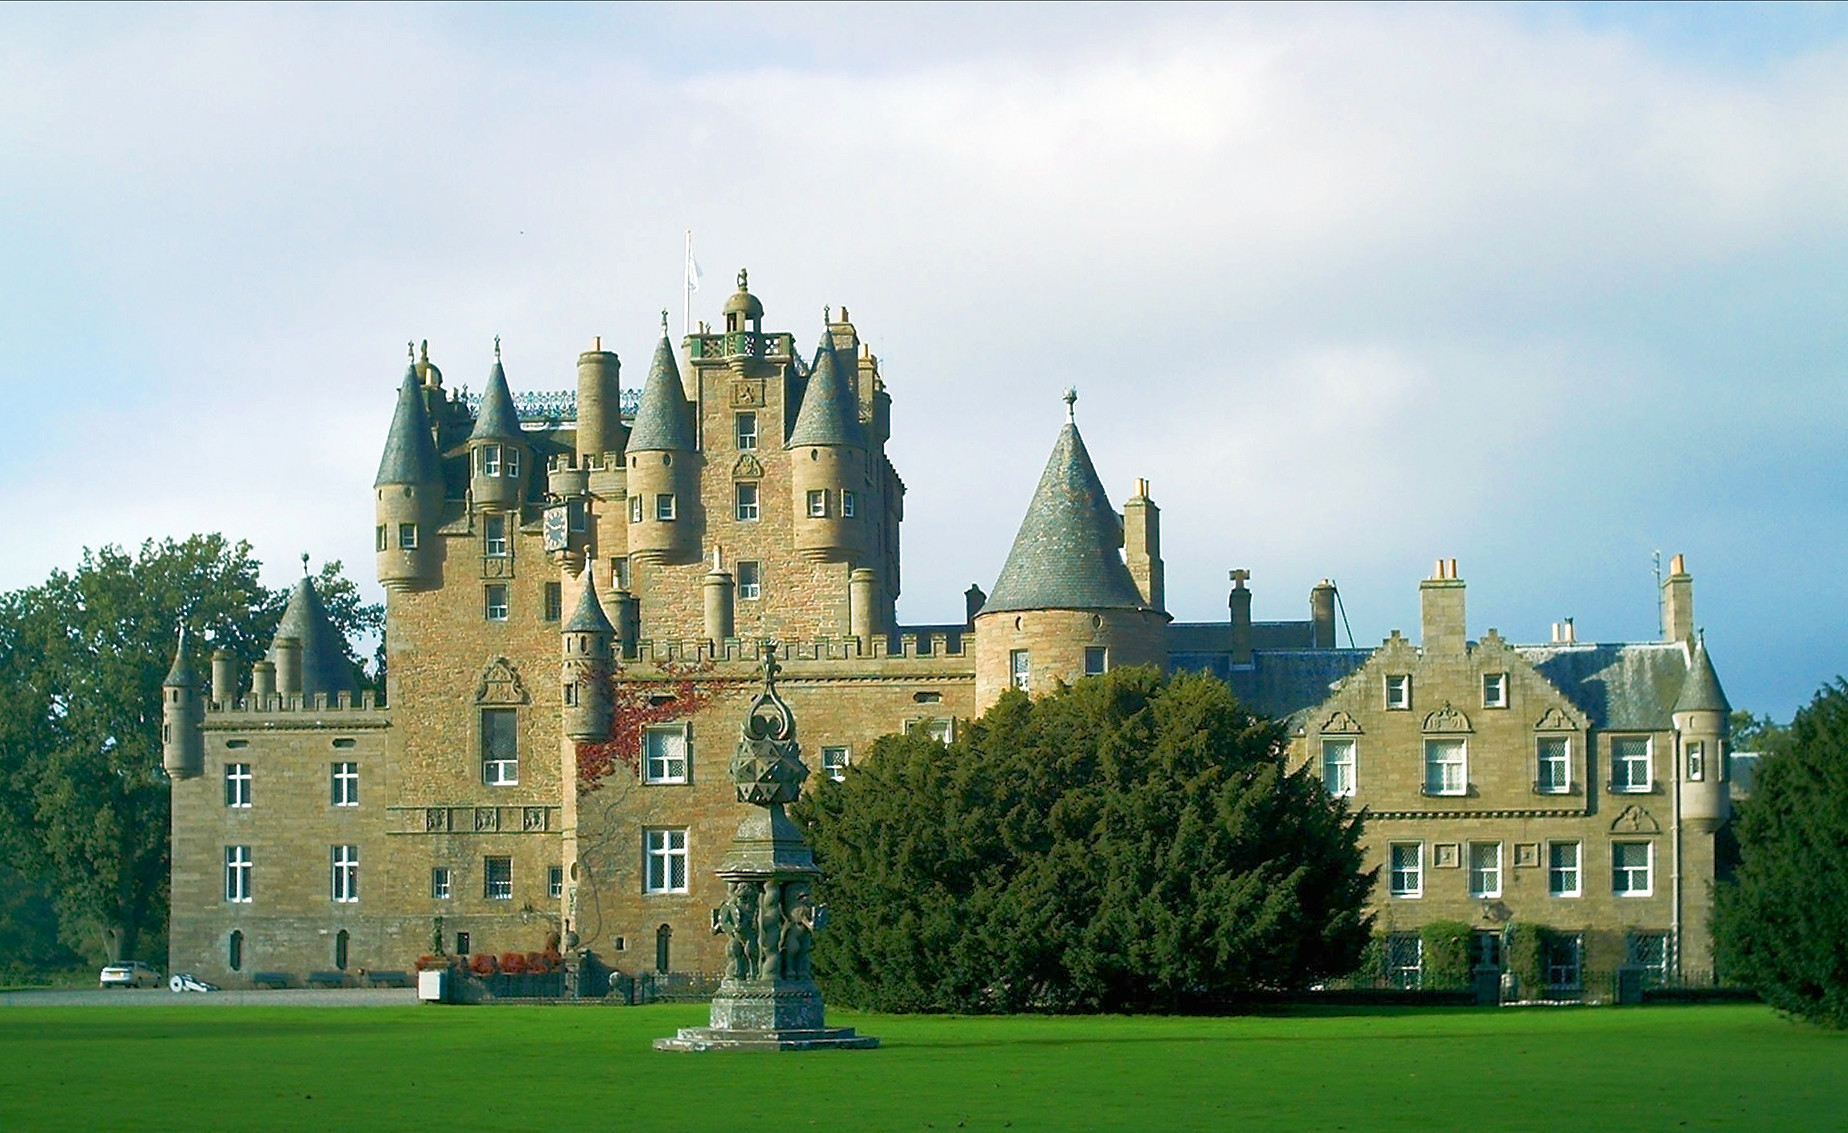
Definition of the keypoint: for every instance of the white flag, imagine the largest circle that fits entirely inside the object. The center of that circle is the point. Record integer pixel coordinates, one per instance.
(693, 272)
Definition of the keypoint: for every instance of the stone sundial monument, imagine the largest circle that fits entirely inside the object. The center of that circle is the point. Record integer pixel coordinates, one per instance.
(768, 999)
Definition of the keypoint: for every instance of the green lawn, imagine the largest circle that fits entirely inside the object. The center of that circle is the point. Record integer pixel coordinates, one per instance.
(537, 1068)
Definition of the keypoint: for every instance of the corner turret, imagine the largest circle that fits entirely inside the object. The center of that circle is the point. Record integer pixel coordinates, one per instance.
(828, 473)
(182, 744)
(585, 644)
(308, 653)
(664, 505)
(408, 494)
(1702, 717)
(498, 456)
(1065, 606)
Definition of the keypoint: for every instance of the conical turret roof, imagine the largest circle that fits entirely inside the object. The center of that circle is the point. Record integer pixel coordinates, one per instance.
(181, 675)
(1065, 556)
(324, 660)
(497, 419)
(830, 413)
(663, 419)
(589, 616)
(1701, 691)
(410, 450)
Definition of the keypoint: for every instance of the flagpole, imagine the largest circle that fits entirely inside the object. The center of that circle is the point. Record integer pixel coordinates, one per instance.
(686, 304)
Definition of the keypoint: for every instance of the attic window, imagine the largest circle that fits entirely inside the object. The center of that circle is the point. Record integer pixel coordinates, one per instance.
(927, 697)
(663, 698)
(345, 742)
(237, 743)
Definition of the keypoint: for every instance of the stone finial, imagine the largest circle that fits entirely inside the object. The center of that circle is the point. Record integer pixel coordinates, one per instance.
(497, 356)
(664, 320)
(744, 280)
(1071, 403)
(304, 564)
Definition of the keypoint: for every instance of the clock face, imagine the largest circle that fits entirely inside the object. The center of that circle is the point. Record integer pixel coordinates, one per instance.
(557, 534)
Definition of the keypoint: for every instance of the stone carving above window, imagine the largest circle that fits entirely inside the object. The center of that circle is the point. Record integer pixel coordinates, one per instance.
(1447, 719)
(1635, 820)
(1341, 723)
(1555, 720)
(747, 467)
(500, 684)
(747, 394)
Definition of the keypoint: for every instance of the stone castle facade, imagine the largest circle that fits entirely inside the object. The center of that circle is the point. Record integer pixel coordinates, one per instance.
(578, 594)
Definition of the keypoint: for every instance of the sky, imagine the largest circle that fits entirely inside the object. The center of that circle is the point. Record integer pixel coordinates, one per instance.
(1546, 289)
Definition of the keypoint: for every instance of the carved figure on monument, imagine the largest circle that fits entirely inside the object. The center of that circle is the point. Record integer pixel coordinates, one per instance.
(798, 930)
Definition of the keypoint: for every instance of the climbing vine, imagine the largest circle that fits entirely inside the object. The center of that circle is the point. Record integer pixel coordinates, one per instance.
(686, 690)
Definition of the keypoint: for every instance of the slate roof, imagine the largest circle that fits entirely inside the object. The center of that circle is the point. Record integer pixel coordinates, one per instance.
(1620, 686)
(181, 675)
(1065, 556)
(324, 662)
(589, 616)
(1216, 637)
(830, 413)
(1279, 684)
(663, 420)
(410, 448)
(497, 418)
(1701, 691)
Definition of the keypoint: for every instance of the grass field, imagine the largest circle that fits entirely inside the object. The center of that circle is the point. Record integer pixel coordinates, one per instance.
(528, 1068)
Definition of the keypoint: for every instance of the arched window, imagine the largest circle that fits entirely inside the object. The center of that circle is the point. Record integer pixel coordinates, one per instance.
(234, 951)
(663, 936)
(340, 949)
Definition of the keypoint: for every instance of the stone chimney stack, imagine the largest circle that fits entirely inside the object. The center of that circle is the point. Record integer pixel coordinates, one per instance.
(1678, 602)
(1442, 597)
(1240, 602)
(1322, 614)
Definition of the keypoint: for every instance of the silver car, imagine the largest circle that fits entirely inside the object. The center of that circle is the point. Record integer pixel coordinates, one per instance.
(130, 973)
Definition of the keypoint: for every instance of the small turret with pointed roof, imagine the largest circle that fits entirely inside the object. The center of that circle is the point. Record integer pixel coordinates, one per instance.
(663, 483)
(1701, 691)
(182, 744)
(830, 413)
(324, 667)
(1065, 605)
(408, 490)
(663, 419)
(828, 460)
(585, 666)
(498, 453)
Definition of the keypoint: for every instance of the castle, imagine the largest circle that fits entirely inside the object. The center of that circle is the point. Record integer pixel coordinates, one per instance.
(577, 598)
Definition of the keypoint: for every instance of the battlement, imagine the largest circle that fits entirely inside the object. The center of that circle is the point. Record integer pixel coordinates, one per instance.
(778, 347)
(572, 462)
(926, 643)
(277, 704)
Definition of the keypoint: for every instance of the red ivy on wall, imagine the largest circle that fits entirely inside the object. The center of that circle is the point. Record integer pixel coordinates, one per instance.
(637, 704)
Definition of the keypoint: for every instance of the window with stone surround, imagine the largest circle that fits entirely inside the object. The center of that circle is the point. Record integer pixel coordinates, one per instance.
(664, 751)
(1649, 951)
(494, 536)
(1485, 869)
(665, 509)
(1630, 770)
(1399, 691)
(1020, 668)
(500, 746)
(848, 503)
(407, 536)
(238, 874)
(1553, 758)
(344, 882)
(745, 501)
(1406, 877)
(818, 503)
(1630, 868)
(750, 581)
(381, 538)
(441, 883)
(237, 784)
(494, 601)
(635, 509)
(555, 881)
(1562, 869)
(834, 762)
(1446, 767)
(346, 784)
(746, 431)
(1495, 690)
(554, 601)
(1096, 660)
(1697, 760)
(497, 878)
(1338, 767)
(665, 868)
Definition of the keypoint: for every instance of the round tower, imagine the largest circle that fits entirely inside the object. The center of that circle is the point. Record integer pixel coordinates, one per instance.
(498, 457)
(408, 494)
(827, 462)
(224, 679)
(600, 430)
(720, 602)
(663, 480)
(585, 671)
(1065, 606)
(182, 744)
(1702, 717)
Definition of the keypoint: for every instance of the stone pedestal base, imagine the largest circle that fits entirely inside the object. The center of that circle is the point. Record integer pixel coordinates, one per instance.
(739, 1038)
(767, 1015)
